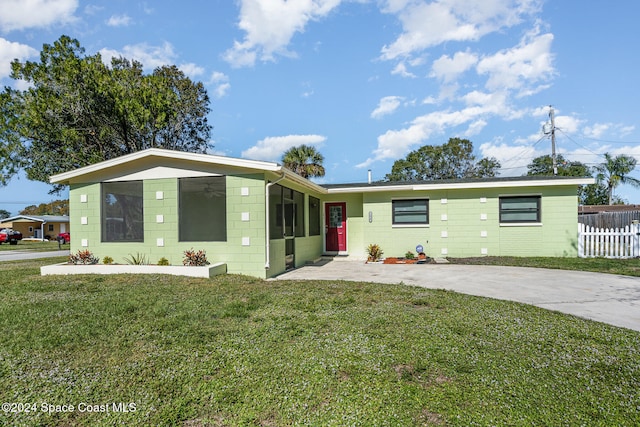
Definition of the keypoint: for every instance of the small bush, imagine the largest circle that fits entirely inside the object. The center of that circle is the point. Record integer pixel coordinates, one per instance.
(195, 258)
(107, 260)
(137, 259)
(84, 256)
(163, 261)
(409, 255)
(374, 253)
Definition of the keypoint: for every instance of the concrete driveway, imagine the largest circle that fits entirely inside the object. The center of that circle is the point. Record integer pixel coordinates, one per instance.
(606, 298)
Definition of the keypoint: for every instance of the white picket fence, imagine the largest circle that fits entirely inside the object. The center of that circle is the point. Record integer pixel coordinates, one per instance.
(609, 243)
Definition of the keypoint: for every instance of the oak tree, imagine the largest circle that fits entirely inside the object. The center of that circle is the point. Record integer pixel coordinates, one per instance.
(77, 111)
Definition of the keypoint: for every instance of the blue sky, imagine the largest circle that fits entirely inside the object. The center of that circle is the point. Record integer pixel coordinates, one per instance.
(367, 81)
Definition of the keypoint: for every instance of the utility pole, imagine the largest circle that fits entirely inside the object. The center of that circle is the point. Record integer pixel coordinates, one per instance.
(553, 140)
(551, 129)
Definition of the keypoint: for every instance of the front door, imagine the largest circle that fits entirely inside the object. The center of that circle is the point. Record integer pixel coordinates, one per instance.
(336, 223)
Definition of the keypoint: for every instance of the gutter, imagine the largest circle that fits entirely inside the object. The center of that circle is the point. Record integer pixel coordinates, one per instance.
(267, 252)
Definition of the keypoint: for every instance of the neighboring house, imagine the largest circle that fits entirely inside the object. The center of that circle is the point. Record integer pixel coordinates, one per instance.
(261, 219)
(37, 226)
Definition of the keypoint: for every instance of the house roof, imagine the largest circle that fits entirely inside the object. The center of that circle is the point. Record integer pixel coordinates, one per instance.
(37, 218)
(450, 184)
(149, 159)
(151, 154)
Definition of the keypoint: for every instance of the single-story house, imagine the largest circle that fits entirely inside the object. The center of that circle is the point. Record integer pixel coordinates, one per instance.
(262, 219)
(37, 226)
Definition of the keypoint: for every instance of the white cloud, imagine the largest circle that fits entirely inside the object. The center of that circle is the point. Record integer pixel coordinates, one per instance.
(518, 68)
(272, 148)
(597, 130)
(10, 51)
(150, 56)
(448, 69)
(191, 70)
(22, 14)
(401, 70)
(221, 84)
(119, 21)
(387, 105)
(513, 158)
(269, 26)
(427, 24)
(395, 144)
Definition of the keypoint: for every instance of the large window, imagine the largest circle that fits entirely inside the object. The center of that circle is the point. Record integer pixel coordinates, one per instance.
(286, 215)
(415, 211)
(202, 215)
(122, 212)
(314, 216)
(521, 209)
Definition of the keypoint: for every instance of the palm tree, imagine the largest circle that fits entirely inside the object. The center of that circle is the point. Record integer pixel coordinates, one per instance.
(615, 171)
(304, 160)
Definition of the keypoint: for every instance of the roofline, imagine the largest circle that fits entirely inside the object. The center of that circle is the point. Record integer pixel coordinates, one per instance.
(32, 218)
(65, 177)
(372, 188)
(61, 178)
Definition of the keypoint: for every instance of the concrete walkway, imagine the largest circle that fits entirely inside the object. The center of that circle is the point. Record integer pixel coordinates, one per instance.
(606, 298)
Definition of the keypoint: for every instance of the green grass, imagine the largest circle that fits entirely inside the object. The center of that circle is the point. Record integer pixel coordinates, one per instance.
(626, 267)
(241, 351)
(33, 245)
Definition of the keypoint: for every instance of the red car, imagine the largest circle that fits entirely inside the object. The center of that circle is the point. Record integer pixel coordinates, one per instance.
(8, 235)
(64, 238)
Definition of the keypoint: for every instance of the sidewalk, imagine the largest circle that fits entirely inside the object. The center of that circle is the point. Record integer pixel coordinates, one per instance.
(602, 297)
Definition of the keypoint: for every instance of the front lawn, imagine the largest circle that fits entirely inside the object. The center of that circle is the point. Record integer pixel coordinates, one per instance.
(625, 267)
(33, 245)
(241, 351)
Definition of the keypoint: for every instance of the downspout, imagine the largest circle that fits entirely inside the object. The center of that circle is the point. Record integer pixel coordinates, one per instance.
(42, 230)
(267, 262)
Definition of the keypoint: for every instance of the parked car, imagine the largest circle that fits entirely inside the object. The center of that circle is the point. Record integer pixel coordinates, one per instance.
(8, 235)
(64, 238)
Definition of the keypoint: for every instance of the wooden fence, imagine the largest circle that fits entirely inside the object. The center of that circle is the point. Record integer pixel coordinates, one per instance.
(608, 219)
(609, 242)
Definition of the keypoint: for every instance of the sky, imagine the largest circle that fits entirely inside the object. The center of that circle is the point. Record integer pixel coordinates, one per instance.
(368, 81)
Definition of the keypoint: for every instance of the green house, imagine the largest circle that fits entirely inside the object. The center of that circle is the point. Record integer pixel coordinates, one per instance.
(261, 219)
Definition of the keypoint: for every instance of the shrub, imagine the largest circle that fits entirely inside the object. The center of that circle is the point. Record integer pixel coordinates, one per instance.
(107, 260)
(409, 255)
(375, 253)
(195, 258)
(137, 259)
(84, 256)
(163, 261)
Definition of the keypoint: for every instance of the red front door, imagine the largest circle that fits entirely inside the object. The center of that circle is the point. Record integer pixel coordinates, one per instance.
(335, 215)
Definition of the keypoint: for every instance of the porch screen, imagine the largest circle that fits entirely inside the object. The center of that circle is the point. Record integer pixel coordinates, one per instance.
(202, 209)
(286, 212)
(122, 213)
(314, 216)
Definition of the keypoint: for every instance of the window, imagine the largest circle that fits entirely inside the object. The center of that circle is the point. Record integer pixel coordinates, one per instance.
(50, 227)
(202, 209)
(314, 216)
(521, 209)
(414, 211)
(122, 212)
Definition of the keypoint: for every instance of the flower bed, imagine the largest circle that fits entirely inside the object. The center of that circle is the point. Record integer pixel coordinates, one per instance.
(174, 270)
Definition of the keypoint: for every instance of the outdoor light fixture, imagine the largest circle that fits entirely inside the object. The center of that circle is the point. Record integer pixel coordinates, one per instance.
(370, 216)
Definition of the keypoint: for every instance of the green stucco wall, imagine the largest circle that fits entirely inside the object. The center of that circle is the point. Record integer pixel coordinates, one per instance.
(243, 252)
(464, 223)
